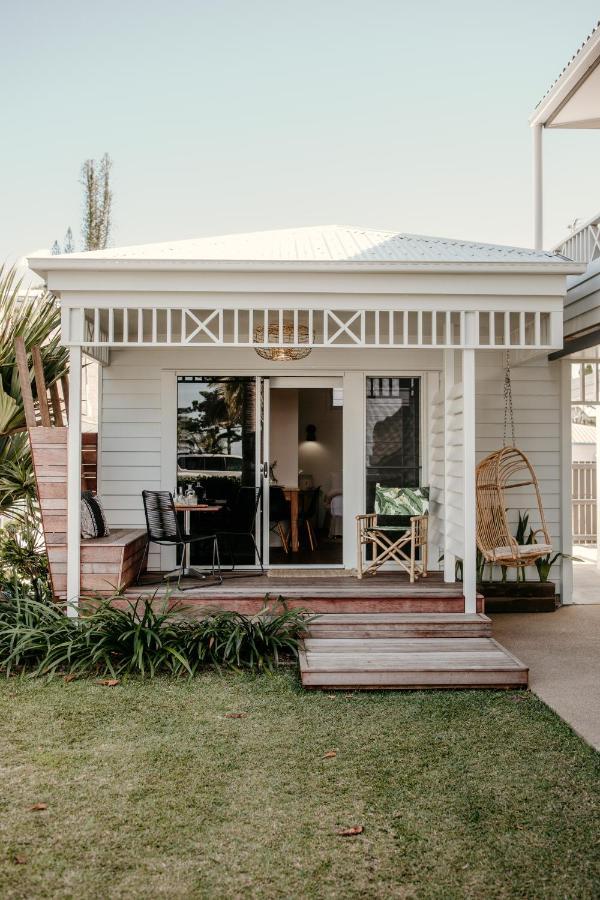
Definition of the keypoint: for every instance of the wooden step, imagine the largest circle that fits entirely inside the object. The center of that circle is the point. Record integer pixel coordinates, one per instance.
(385, 625)
(409, 663)
(377, 645)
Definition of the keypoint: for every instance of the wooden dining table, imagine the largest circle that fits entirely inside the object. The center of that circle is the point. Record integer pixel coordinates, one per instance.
(187, 510)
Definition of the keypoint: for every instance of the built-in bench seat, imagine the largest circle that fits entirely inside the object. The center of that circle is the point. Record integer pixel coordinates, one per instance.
(109, 563)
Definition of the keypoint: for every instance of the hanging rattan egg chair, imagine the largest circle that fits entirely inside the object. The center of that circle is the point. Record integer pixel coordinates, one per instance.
(499, 473)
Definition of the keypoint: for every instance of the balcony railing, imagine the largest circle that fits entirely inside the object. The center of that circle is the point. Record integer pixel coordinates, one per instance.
(583, 244)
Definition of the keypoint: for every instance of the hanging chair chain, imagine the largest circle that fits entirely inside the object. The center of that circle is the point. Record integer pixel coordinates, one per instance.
(508, 403)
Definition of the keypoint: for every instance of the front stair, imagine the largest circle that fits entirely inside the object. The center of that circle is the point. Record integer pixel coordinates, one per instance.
(403, 651)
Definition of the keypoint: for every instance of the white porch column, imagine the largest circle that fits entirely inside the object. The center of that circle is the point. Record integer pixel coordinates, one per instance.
(353, 470)
(469, 556)
(538, 189)
(566, 472)
(74, 482)
(449, 381)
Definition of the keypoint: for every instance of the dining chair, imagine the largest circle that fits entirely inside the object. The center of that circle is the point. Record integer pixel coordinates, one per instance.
(240, 521)
(279, 513)
(307, 512)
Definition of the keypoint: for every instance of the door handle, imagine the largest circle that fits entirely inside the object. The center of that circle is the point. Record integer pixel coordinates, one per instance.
(265, 469)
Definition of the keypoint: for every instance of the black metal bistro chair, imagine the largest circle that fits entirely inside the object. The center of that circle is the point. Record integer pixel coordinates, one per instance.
(163, 528)
(240, 521)
(279, 513)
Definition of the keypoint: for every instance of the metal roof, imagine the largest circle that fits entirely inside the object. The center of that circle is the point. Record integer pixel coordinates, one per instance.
(318, 244)
(570, 78)
(573, 58)
(583, 434)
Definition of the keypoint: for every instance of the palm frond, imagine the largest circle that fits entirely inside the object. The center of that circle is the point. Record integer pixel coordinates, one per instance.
(35, 316)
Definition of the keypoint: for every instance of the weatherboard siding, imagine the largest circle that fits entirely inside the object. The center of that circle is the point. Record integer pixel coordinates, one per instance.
(582, 303)
(536, 391)
(130, 440)
(137, 416)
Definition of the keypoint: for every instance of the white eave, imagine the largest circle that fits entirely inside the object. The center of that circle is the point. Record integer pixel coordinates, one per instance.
(573, 100)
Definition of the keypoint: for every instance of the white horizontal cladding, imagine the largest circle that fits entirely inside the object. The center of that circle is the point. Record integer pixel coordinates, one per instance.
(359, 326)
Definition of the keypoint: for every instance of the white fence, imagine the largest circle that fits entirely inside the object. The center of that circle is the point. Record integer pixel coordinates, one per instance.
(584, 493)
(583, 244)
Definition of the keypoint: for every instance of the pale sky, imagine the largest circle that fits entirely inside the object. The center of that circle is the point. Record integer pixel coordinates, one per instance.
(241, 115)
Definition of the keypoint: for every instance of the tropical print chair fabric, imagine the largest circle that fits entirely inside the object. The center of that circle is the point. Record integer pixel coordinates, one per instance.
(394, 506)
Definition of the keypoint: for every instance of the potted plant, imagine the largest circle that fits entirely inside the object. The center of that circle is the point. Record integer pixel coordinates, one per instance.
(520, 594)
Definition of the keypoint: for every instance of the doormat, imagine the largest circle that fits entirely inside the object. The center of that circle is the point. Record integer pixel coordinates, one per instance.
(303, 572)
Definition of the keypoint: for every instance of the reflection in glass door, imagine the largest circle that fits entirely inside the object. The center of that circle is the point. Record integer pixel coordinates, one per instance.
(218, 450)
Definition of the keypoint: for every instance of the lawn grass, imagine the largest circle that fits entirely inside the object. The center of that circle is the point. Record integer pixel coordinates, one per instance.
(152, 791)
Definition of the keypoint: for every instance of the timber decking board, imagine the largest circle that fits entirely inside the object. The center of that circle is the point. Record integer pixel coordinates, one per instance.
(391, 625)
(423, 653)
(394, 645)
(398, 619)
(388, 585)
(389, 592)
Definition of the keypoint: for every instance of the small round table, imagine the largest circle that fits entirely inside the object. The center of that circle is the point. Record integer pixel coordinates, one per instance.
(187, 510)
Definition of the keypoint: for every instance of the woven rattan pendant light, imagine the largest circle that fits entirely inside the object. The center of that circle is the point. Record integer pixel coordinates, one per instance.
(502, 471)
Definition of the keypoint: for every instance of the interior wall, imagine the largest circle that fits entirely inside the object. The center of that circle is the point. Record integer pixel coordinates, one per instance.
(321, 458)
(283, 436)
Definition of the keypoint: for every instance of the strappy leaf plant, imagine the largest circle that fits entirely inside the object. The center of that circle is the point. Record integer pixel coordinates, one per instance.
(115, 638)
(33, 314)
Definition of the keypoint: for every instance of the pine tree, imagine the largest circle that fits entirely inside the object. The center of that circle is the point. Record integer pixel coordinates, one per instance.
(68, 246)
(97, 203)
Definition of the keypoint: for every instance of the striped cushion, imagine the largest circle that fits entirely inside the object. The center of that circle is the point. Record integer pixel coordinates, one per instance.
(93, 519)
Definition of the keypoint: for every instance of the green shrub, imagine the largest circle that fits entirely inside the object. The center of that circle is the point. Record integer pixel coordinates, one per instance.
(23, 559)
(231, 639)
(138, 638)
(31, 631)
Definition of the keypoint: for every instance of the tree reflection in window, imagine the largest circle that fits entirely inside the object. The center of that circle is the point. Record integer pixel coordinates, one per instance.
(215, 430)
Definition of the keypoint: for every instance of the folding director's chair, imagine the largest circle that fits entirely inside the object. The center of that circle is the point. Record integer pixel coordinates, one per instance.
(396, 531)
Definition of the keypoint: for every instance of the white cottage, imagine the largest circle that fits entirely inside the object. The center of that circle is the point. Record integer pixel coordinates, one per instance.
(341, 357)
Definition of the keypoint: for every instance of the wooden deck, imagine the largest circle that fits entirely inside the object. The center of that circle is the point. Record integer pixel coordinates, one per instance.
(402, 652)
(383, 593)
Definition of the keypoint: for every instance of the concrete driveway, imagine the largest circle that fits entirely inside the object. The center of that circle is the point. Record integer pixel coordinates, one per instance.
(562, 650)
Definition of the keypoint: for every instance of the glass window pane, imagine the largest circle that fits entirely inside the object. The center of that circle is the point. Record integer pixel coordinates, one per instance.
(216, 441)
(392, 434)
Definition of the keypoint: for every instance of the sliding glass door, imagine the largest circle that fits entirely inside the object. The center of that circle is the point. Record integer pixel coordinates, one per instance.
(219, 457)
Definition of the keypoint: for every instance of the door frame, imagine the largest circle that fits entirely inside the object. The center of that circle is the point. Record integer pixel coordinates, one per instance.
(292, 381)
